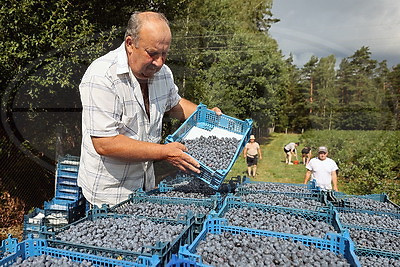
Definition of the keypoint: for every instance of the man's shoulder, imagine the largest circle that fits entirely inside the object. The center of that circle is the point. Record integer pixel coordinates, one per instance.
(331, 161)
(105, 62)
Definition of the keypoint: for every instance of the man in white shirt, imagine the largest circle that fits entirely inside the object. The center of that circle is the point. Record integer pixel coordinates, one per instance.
(323, 170)
(125, 95)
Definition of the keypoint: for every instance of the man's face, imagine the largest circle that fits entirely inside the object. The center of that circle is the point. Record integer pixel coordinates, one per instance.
(148, 55)
(322, 155)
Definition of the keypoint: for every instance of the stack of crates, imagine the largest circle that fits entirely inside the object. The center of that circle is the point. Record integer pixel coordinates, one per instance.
(66, 179)
(67, 206)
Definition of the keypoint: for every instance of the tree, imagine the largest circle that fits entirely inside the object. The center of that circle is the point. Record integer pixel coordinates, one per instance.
(308, 77)
(325, 98)
(227, 59)
(392, 88)
(358, 99)
(295, 110)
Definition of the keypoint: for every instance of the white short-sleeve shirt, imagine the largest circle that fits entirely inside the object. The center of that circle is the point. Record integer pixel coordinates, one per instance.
(321, 171)
(113, 104)
(290, 146)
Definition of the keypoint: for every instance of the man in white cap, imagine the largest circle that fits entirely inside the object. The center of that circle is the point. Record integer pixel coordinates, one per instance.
(251, 153)
(323, 170)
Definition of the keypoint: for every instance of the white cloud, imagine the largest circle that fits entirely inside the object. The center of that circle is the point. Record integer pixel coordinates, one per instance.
(339, 27)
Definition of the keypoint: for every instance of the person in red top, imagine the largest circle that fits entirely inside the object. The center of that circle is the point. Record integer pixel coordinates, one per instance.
(251, 153)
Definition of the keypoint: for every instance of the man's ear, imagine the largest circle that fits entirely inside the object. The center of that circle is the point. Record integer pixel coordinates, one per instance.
(129, 44)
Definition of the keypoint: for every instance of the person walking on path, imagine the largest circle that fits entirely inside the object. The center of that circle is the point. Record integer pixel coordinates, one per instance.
(323, 170)
(251, 153)
(290, 149)
(306, 155)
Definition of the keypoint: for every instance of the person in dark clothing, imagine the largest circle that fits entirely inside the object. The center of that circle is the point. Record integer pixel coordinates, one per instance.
(306, 155)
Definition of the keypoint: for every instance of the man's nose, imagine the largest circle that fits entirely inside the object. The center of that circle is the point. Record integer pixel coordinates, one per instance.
(158, 61)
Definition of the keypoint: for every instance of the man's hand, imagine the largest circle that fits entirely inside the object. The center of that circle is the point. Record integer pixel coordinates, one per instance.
(177, 157)
(217, 111)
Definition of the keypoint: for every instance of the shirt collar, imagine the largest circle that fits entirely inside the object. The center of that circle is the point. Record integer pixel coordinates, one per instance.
(122, 60)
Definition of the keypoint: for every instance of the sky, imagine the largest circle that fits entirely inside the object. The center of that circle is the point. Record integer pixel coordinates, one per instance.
(338, 27)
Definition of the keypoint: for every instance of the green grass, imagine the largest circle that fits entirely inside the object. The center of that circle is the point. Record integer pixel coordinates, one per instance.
(272, 167)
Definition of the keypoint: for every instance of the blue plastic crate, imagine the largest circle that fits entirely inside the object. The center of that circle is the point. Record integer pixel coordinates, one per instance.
(68, 163)
(240, 191)
(67, 174)
(66, 159)
(372, 229)
(67, 168)
(8, 246)
(317, 197)
(309, 188)
(368, 252)
(372, 212)
(339, 244)
(179, 262)
(365, 227)
(346, 203)
(139, 196)
(206, 119)
(163, 250)
(67, 211)
(31, 225)
(68, 192)
(213, 203)
(168, 184)
(329, 216)
(228, 185)
(37, 247)
(64, 181)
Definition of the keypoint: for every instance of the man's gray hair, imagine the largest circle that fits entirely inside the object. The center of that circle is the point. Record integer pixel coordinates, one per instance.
(136, 22)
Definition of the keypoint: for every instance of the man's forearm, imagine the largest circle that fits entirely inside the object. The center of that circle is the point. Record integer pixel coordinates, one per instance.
(125, 148)
(334, 180)
(307, 178)
(183, 109)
